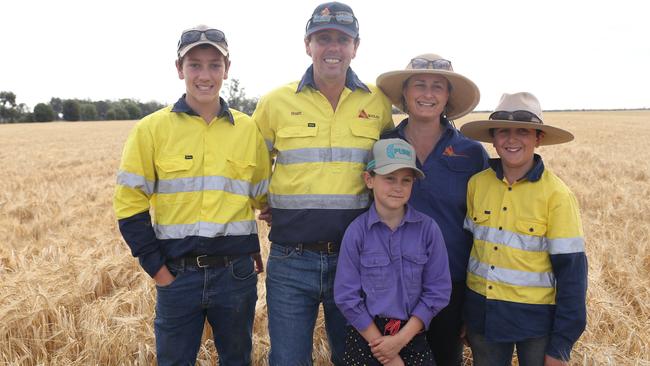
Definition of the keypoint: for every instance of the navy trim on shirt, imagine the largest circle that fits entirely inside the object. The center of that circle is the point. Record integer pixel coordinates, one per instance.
(181, 106)
(533, 175)
(352, 81)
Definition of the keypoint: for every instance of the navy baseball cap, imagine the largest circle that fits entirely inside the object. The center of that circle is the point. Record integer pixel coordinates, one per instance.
(333, 15)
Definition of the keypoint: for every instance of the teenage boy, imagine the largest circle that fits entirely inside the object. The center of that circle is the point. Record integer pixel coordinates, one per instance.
(393, 273)
(527, 272)
(320, 130)
(198, 166)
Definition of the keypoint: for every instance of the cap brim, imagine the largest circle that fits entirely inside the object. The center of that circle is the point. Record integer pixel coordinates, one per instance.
(183, 51)
(464, 96)
(480, 130)
(332, 26)
(387, 169)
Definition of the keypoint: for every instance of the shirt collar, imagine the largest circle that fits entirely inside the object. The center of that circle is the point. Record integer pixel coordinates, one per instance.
(533, 175)
(352, 81)
(448, 128)
(409, 215)
(181, 106)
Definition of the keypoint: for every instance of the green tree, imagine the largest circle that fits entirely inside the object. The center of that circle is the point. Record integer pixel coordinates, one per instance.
(237, 99)
(43, 113)
(117, 113)
(133, 110)
(57, 107)
(88, 112)
(8, 111)
(71, 110)
(102, 107)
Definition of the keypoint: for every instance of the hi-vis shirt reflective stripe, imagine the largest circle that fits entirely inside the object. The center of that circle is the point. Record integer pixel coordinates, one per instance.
(200, 179)
(320, 152)
(516, 229)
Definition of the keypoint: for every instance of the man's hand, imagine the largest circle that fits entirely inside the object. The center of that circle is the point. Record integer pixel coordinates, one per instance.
(259, 265)
(463, 335)
(265, 215)
(386, 348)
(163, 277)
(551, 361)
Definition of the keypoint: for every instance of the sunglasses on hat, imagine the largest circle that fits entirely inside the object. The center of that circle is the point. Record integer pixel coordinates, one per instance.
(192, 36)
(422, 63)
(521, 116)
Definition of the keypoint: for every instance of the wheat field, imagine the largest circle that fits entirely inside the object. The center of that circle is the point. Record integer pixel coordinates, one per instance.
(71, 294)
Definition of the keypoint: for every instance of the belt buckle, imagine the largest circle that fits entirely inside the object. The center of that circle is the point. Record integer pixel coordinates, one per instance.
(198, 261)
(330, 247)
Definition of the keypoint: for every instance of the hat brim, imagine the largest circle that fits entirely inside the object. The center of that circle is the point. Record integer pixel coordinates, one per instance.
(183, 51)
(464, 96)
(480, 130)
(332, 26)
(387, 169)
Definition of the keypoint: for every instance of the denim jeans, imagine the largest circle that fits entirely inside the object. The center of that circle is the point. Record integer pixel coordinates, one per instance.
(226, 296)
(530, 352)
(296, 283)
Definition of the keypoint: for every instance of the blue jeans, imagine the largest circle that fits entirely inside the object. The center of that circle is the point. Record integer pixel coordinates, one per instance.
(226, 296)
(296, 283)
(530, 352)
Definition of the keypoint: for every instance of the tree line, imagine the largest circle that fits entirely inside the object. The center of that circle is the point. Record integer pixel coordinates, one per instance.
(103, 110)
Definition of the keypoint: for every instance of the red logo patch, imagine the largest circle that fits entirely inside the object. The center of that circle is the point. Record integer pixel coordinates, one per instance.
(363, 114)
(449, 151)
(325, 11)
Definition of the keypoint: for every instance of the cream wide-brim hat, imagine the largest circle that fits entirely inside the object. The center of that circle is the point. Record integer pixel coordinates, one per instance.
(463, 98)
(480, 130)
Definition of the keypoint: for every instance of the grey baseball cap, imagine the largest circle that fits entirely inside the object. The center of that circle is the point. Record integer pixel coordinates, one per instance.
(390, 155)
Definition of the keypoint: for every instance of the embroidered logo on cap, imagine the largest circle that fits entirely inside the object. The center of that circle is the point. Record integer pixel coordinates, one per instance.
(394, 151)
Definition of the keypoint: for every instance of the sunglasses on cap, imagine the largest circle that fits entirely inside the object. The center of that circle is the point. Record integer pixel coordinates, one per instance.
(341, 17)
(192, 36)
(521, 116)
(423, 63)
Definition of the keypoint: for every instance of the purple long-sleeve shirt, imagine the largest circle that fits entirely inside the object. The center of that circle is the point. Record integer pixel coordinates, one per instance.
(395, 274)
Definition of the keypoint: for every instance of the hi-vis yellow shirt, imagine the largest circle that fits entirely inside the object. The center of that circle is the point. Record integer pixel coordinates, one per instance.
(320, 154)
(517, 228)
(196, 179)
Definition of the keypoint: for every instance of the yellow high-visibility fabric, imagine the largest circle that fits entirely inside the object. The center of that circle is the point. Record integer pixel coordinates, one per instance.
(321, 151)
(187, 171)
(516, 229)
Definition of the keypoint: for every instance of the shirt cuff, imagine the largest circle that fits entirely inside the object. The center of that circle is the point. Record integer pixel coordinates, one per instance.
(152, 262)
(362, 322)
(423, 313)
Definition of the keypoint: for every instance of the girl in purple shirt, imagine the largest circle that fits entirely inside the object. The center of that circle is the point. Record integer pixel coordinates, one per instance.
(393, 274)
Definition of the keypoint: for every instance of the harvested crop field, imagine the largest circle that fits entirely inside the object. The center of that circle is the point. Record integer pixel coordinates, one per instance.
(71, 294)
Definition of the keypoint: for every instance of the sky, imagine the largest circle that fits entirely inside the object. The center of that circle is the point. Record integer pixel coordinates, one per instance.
(572, 54)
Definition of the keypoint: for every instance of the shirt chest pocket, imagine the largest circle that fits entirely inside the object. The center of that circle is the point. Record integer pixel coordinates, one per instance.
(174, 166)
(364, 136)
(413, 268)
(240, 169)
(530, 227)
(375, 273)
(296, 137)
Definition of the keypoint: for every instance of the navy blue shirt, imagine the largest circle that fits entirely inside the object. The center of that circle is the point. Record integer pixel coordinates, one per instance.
(442, 195)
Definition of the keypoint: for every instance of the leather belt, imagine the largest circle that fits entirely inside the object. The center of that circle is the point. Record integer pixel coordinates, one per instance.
(204, 261)
(328, 247)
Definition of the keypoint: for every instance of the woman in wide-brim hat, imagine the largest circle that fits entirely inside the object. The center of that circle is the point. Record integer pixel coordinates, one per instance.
(432, 94)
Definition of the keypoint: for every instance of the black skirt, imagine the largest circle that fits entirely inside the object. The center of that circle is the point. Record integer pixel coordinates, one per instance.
(358, 353)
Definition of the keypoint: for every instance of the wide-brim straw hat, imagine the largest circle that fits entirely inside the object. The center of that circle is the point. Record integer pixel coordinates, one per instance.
(464, 95)
(517, 102)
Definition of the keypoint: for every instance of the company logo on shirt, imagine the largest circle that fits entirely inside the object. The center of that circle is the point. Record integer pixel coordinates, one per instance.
(363, 114)
(296, 113)
(449, 151)
(395, 151)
